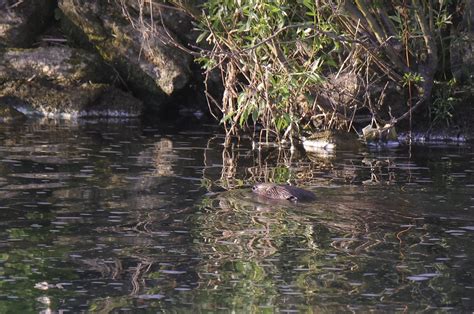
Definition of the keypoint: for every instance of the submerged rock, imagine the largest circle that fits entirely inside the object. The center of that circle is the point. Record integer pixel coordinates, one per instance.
(384, 134)
(22, 21)
(329, 140)
(449, 135)
(283, 192)
(141, 53)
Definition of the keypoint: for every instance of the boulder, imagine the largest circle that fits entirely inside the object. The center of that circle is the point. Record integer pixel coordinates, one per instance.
(329, 140)
(141, 52)
(377, 134)
(61, 82)
(62, 65)
(22, 21)
(75, 101)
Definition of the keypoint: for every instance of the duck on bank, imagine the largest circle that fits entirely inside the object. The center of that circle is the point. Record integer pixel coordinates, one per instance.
(283, 192)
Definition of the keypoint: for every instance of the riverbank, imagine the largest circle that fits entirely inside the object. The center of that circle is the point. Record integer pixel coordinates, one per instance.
(79, 59)
(88, 59)
(120, 218)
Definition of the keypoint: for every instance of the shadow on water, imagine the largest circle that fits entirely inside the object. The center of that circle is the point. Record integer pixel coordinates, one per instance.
(119, 217)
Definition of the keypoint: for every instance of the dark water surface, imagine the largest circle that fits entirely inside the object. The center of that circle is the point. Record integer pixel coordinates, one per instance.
(115, 218)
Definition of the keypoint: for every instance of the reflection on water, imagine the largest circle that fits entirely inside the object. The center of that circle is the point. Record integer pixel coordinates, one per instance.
(113, 217)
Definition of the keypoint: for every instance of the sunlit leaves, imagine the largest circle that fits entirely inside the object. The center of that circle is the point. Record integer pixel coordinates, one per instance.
(411, 78)
(277, 47)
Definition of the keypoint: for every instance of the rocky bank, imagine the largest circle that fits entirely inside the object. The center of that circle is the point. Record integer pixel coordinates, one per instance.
(78, 58)
(121, 58)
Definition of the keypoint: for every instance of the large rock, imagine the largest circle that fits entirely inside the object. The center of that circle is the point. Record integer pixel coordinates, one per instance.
(329, 140)
(86, 100)
(22, 21)
(62, 65)
(151, 67)
(61, 82)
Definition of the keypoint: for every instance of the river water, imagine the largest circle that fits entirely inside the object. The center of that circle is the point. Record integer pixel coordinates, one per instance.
(118, 217)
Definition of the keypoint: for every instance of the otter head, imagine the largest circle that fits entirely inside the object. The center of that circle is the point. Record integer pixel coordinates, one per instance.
(283, 192)
(273, 191)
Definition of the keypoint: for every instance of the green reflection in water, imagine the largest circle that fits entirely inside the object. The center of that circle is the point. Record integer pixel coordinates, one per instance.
(120, 218)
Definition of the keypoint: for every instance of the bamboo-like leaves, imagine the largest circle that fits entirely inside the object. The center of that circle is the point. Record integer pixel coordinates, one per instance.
(284, 50)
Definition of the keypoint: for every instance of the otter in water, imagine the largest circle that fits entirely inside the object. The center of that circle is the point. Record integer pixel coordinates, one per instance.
(283, 192)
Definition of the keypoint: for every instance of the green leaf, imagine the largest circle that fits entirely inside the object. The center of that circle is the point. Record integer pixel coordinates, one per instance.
(202, 36)
(227, 117)
(255, 114)
(241, 99)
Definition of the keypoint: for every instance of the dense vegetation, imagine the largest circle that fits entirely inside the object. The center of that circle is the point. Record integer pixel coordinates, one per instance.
(291, 67)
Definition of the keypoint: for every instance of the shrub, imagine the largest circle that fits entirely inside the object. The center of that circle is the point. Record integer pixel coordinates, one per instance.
(277, 59)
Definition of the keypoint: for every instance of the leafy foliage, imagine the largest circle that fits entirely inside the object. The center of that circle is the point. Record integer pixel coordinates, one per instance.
(278, 59)
(442, 108)
(270, 54)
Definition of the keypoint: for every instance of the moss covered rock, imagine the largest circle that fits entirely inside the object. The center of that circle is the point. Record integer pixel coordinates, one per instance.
(22, 21)
(152, 68)
(62, 82)
(62, 65)
(86, 100)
